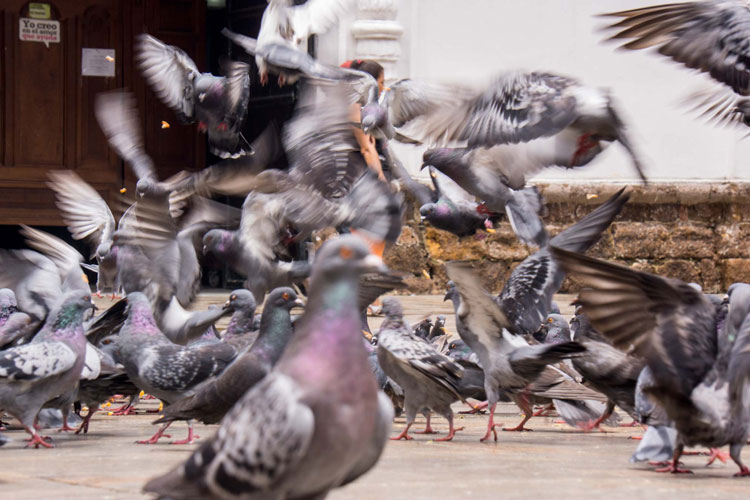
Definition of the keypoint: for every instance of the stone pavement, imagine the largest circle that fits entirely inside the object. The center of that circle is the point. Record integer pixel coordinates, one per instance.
(554, 461)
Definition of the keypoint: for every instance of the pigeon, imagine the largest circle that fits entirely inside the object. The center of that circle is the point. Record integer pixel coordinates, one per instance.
(429, 379)
(605, 369)
(493, 327)
(41, 277)
(422, 329)
(564, 122)
(438, 329)
(281, 47)
(448, 206)
(699, 373)
(241, 331)
(271, 443)
(216, 397)
(327, 186)
(89, 218)
(708, 36)
(218, 103)
(659, 440)
(161, 368)
(35, 373)
(14, 328)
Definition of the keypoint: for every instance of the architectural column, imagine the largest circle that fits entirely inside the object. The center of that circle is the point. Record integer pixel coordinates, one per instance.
(377, 34)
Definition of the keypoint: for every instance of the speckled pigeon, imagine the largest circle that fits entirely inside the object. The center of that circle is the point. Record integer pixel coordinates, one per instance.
(709, 36)
(242, 329)
(429, 379)
(701, 367)
(161, 368)
(35, 373)
(492, 327)
(217, 103)
(216, 397)
(605, 368)
(288, 436)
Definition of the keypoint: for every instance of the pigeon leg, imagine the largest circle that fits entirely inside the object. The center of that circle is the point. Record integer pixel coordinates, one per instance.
(523, 402)
(594, 424)
(475, 409)
(634, 423)
(717, 454)
(451, 430)
(65, 427)
(491, 424)
(403, 435)
(37, 439)
(264, 78)
(427, 428)
(411, 414)
(674, 466)
(734, 452)
(543, 410)
(85, 423)
(159, 434)
(190, 439)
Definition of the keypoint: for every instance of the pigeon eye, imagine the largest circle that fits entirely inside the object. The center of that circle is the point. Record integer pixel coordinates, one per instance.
(549, 320)
(346, 253)
(233, 297)
(285, 296)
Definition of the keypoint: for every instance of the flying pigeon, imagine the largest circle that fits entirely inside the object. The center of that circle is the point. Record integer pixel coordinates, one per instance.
(281, 47)
(217, 103)
(89, 218)
(700, 373)
(708, 36)
(35, 373)
(216, 397)
(288, 436)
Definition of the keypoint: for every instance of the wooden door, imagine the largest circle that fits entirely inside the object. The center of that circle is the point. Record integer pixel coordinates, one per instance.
(46, 103)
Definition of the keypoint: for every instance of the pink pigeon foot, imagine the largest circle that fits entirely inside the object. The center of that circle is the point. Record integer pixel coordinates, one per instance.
(190, 439)
(717, 454)
(452, 432)
(744, 472)
(37, 440)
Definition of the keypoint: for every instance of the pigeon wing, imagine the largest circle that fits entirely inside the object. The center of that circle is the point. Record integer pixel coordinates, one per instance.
(32, 362)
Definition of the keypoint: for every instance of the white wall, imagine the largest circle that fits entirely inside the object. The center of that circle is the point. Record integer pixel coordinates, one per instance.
(470, 40)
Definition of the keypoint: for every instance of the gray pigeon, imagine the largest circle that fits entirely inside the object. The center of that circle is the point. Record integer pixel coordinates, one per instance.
(709, 36)
(88, 217)
(14, 328)
(161, 368)
(605, 368)
(217, 103)
(287, 437)
(241, 331)
(493, 328)
(35, 373)
(563, 122)
(216, 397)
(281, 47)
(429, 379)
(700, 371)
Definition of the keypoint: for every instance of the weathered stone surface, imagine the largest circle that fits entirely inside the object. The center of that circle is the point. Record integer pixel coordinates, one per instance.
(733, 240)
(640, 240)
(734, 270)
(408, 254)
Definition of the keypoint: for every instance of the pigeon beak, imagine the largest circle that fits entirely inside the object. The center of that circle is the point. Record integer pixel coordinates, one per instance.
(447, 296)
(424, 165)
(227, 305)
(373, 263)
(299, 303)
(205, 249)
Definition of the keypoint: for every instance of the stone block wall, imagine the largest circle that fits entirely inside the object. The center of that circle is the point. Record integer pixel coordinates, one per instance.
(697, 232)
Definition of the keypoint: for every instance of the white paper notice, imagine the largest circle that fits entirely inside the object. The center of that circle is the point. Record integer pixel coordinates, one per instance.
(98, 62)
(37, 30)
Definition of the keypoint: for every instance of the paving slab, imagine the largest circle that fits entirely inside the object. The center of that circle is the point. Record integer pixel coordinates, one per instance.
(552, 461)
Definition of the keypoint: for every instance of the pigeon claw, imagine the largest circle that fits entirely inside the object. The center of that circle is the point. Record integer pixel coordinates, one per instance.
(492, 430)
(674, 468)
(38, 440)
(451, 433)
(717, 454)
(427, 430)
(744, 472)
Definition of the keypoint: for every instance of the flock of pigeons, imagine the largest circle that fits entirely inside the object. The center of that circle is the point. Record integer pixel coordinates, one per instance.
(306, 403)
